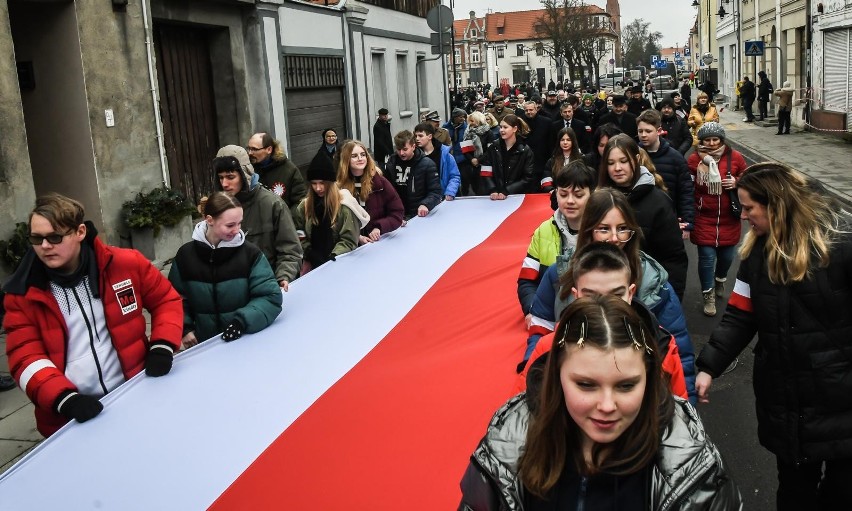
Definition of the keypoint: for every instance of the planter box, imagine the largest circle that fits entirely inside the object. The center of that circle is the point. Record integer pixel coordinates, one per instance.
(162, 248)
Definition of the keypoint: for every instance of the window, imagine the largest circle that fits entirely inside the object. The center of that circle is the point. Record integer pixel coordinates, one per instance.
(500, 30)
(500, 52)
(473, 34)
(539, 49)
(380, 94)
(402, 81)
(474, 55)
(458, 55)
(520, 49)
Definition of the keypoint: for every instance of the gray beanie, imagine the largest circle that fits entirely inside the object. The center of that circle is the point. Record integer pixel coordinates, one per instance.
(458, 112)
(711, 129)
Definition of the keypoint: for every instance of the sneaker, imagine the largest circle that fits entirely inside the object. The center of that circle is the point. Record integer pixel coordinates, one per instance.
(720, 288)
(709, 303)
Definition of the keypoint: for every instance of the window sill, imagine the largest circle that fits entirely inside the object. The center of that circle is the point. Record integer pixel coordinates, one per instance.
(405, 114)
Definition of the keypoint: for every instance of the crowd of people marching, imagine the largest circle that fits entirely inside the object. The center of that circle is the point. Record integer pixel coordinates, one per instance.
(604, 418)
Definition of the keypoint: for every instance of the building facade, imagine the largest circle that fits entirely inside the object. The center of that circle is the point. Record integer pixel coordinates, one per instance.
(831, 67)
(102, 99)
(470, 51)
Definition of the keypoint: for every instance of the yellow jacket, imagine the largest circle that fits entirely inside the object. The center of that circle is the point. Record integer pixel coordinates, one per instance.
(695, 120)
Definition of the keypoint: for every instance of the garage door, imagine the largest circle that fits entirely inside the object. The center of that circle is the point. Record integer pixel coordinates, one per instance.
(314, 88)
(309, 112)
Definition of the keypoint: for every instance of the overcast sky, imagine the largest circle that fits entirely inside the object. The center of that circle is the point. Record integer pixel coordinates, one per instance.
(671, 17)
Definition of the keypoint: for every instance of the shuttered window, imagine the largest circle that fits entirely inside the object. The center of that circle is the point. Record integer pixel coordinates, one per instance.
(837, 71)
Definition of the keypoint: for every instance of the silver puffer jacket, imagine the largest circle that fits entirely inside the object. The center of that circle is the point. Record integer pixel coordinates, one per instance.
(688, 473)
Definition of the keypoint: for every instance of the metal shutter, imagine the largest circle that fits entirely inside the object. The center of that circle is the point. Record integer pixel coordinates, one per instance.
(309, 112)
(836, 72)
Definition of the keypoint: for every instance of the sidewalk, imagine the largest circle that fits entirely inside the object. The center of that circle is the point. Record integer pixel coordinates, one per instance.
(822, 157)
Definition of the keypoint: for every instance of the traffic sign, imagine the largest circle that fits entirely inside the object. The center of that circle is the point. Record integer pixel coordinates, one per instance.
(686, 52)
(677, 54)
(653, 58)
(754, 48)
(440, 18)
(661, 64)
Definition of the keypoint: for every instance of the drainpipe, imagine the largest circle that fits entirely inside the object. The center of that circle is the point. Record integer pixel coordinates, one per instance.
(157, 119)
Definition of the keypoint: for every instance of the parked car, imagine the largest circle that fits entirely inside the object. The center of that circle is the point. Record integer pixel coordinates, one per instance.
(664, 85)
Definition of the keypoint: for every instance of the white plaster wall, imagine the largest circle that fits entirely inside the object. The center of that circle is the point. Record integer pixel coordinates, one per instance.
(311, 28)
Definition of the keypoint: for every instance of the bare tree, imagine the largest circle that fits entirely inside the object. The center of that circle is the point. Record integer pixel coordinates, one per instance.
(575, 34)
(639, 42)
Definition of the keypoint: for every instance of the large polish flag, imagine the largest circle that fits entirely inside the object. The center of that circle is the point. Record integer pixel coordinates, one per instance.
(369, 392)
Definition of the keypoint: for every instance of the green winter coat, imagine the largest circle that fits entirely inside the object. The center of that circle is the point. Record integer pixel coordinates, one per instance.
(222, 284)
(282, 177)
(346, 230)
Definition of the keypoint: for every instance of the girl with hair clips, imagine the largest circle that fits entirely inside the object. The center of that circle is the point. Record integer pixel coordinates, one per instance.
(715, 168)
(608, 217)
(558, 233)
(600, 430)
(794, 290)
(226, 283)
(326, 226)
(567, 150)
(507, 166)
(655, 210)
(359, 175)
(702, 111)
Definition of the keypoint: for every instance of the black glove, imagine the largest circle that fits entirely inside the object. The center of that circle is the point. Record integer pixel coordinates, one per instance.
(79, 406)
(332, 257)
(159, 359)
(233, 331)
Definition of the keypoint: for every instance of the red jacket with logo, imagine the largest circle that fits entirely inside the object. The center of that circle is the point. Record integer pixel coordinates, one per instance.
(37, 334)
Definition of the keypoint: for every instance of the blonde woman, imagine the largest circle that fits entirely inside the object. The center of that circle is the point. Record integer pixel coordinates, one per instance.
(326, 227)
(702, 111)
(358, 174)
(794, 290)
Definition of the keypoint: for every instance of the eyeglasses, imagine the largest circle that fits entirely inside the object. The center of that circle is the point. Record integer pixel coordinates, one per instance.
(254, 149)
(53, 239)
(621, 233)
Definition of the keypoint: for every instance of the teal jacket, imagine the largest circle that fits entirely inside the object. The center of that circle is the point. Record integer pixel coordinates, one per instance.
(219, 285)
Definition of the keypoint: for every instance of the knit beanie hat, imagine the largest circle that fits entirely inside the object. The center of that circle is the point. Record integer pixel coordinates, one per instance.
(458, 112)
(711, 129)
(321, 169)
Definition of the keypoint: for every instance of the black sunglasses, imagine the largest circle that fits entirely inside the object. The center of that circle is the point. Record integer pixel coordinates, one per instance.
(53, 239)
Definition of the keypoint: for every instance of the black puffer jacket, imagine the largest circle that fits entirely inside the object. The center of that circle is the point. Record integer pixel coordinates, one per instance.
(672, 166)
(424, 184)
(510, 171)
(803, 356)
(661, 236)
(677, 133)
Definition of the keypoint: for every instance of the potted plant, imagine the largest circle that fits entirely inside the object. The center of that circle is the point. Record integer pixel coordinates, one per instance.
(12, 250)
(160, 221)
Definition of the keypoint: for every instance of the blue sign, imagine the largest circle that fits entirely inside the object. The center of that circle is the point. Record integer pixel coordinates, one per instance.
(754, 48)
(661, 64)
(653, 58)
(677, 54)
(679, 62)
(686, 52)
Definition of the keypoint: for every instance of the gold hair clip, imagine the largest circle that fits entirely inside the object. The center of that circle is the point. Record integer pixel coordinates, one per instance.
(561, 342)
(582, 339)
(647, 348)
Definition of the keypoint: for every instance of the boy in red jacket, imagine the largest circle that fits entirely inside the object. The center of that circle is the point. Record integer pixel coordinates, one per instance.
(74, 316)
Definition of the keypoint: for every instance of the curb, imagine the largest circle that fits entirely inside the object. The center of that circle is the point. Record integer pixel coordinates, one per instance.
(757, 156)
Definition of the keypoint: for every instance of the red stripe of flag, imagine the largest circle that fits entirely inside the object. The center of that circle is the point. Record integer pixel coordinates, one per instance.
(408, 416)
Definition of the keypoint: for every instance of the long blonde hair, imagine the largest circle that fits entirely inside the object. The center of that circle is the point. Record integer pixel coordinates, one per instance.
(646, 161)
(802, 222)
(331, 200)
(346, 180)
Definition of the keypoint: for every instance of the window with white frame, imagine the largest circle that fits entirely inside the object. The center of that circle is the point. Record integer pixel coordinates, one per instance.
(520, 50)
(474, 55)
(473, 33)
(500, 53)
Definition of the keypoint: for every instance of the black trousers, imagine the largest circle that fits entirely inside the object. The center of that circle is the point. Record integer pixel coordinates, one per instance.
(761, 105)
(784, 121)
(469, 180)
(747, 106)
(808, 486)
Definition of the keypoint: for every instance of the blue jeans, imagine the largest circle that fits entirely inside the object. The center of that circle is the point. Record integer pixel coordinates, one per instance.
(714, 262)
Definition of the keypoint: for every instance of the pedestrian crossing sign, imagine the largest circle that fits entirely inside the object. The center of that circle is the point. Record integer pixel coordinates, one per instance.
(754, 48)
